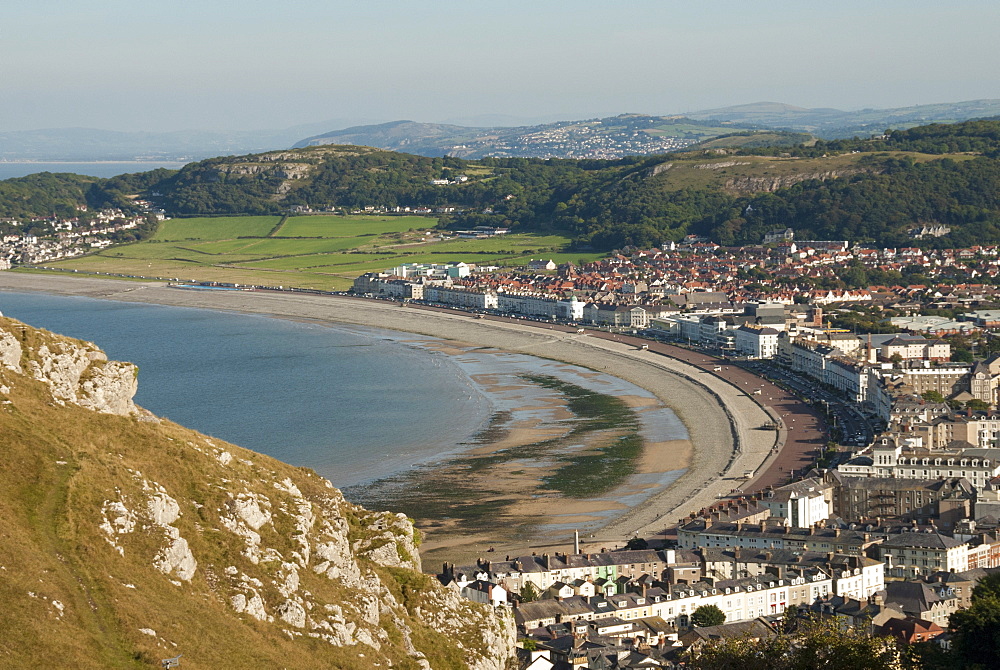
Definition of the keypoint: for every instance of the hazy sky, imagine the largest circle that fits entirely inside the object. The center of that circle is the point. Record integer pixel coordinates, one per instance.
(245, 64)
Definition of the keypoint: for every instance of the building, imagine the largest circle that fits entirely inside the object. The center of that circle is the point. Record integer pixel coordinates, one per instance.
(914, 347)
(947, 501)
(765, 535)
(801, 504)
(619, 316)
(914, 554)
(756, 341)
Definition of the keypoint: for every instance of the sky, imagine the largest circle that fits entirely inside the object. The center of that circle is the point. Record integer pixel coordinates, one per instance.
(154, 65)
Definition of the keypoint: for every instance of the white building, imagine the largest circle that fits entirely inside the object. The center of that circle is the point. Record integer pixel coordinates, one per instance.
(801, 504)
(756, 341)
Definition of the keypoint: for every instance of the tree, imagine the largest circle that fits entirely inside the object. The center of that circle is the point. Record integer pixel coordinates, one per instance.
(637, 543)
(815, 644)
(977, 405)
(708, 615)
(976, 632)
(987, 586)
(932, 396)
(529, 592)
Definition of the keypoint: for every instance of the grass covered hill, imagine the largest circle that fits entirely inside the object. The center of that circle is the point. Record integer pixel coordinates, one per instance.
(859, 190)
(127, 540)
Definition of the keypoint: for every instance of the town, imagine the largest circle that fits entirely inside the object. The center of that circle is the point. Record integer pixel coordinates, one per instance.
(55, 237)
(893, 526)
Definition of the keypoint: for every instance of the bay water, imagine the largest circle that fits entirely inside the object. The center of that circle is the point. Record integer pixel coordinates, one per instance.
(355, 404)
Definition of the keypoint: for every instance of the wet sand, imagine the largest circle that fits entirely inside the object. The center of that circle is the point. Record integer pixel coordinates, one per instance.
(721, 420)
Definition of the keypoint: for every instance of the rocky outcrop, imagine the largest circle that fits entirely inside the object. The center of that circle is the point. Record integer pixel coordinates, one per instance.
(750, 184)
(10, 351)
(76, 372)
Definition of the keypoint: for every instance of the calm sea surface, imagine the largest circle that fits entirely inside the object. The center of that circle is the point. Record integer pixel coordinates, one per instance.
(352, 403)
(12, 169)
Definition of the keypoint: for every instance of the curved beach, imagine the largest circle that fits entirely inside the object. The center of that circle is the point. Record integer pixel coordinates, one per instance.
(722, 421)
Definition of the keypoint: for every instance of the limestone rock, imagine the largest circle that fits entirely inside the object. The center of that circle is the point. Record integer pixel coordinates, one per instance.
(10, 351)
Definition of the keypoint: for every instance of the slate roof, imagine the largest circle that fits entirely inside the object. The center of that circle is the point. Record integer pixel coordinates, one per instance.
(922, 541)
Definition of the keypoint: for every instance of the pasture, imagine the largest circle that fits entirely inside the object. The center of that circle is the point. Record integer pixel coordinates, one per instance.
(322, 252)
(215, 228)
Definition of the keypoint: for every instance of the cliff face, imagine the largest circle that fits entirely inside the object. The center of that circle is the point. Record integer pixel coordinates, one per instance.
(749, 184)
(75, 372)
(128, 540)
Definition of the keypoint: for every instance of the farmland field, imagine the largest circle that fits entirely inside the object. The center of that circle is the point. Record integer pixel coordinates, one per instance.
(222, 227)
(351, 226)
(324, 252)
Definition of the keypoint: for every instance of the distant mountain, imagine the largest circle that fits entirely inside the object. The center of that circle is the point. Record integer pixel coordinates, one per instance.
(607, 138)
(490, 134)
(640, 134)
(828, 123)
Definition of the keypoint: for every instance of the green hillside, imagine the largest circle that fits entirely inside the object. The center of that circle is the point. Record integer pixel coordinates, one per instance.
(859, 190)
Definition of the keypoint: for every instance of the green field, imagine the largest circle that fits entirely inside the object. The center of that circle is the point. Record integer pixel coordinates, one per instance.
(216, 228)
(351, 226)
(324, 252)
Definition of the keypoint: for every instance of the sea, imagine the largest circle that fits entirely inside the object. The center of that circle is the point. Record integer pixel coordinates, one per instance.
(105, 169)
(355, 404)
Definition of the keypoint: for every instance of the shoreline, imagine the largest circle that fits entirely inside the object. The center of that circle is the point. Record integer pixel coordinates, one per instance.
(718, 416)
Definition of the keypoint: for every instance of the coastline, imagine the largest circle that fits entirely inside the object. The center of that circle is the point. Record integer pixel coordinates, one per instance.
(695, 397)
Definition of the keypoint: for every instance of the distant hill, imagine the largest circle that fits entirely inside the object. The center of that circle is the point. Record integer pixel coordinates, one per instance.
(830, 123)
(487, 135)
(641, 134)
(610, 137)
(755, 139)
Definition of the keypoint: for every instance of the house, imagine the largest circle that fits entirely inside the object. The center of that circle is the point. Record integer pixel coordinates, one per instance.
(929, 602)
(911, 630)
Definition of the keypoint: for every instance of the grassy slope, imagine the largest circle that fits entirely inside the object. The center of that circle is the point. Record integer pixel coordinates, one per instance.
(61, 464)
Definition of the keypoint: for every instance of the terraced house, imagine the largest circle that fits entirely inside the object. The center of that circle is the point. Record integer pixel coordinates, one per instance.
(545, 570)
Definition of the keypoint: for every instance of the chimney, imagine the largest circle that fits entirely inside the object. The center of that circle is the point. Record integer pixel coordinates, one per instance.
(546, 562)
(576, 542)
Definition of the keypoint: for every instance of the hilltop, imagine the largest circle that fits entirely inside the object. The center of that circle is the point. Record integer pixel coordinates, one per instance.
(128, 539)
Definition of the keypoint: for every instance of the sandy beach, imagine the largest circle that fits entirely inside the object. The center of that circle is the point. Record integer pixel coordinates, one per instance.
(722, 421)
